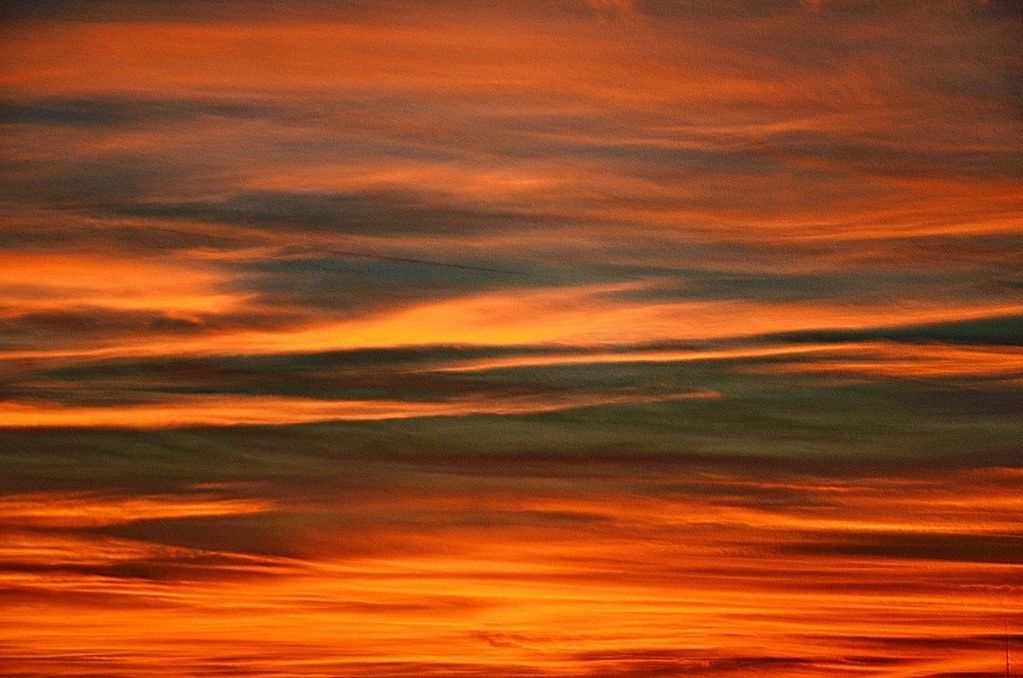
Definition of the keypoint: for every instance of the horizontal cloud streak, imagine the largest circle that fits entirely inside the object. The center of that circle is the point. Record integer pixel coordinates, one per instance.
(253, 410)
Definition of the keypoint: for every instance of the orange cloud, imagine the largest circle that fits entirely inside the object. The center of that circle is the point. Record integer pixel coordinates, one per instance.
(220, 410)
(559, 578)
(89, 509)
(32, 283)
(591, 315)
(641, 356)
(577, 183)
(914, 361)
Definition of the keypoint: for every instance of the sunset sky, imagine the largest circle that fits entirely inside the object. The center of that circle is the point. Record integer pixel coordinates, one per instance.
(533, 339)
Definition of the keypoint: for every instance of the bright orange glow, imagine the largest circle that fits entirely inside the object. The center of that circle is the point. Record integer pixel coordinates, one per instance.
(35, 283)
(586, 316)
(532, 339)
(549, 593)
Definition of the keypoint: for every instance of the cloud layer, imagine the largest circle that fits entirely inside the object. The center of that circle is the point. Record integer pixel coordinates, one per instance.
(550, 339)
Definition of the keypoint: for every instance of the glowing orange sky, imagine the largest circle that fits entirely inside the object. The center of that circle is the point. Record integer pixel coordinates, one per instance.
(576, 338)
